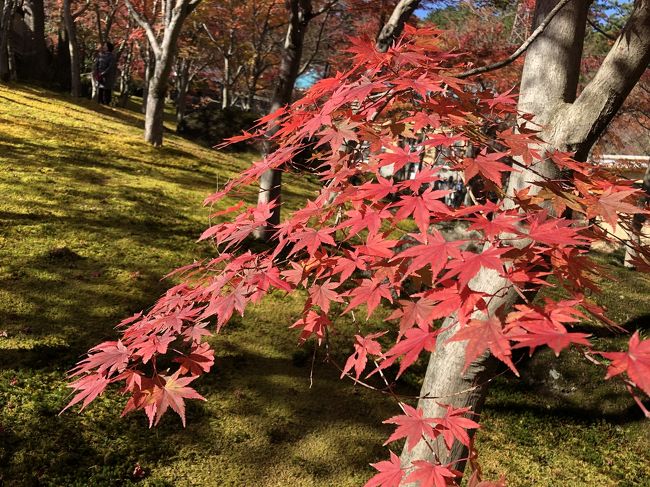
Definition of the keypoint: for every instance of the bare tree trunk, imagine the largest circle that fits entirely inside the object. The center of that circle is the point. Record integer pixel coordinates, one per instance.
(36, 59)
(637, 224)
(155, 111)
(182, 86)
(125, 76)
(73, 47)
(225, 84)
(271, 180)
(7, 10)
(149, 64)
(548, 91)
(164, 50)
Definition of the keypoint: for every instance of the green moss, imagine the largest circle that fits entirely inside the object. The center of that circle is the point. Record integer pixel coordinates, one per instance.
(92, 218)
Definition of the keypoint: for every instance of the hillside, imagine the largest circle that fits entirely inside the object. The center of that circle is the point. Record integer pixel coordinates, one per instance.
(91, 218)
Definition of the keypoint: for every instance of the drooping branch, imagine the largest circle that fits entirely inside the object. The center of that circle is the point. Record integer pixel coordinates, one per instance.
(536, 33)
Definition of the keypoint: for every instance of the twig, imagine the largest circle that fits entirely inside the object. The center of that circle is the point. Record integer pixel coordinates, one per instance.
(536, 33)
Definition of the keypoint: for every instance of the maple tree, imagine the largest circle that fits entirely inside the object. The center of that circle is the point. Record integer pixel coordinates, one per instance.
(363, 239)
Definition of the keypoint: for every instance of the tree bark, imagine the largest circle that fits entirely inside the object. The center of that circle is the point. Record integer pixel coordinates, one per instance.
(164, 51)
(271, 181)
(395, 25)
(125, 76)
(7, 10)
(73, 47)
(638, 220)
(548, 91)
(225, 83)
(149, 65)
(182, 86)
(35, 66)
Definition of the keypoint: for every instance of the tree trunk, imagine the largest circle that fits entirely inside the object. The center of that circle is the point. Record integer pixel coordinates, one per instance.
(7, 10)
(35, 65)
(149, 66)
(225, 83)
(548, 91)
(637, 223)
(182, 86)
(164, 52)
(125, 77)
(271, 180)
(73, 47)
(155, 111)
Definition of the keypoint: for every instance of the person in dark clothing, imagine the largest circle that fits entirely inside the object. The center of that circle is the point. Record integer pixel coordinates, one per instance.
(104, 72)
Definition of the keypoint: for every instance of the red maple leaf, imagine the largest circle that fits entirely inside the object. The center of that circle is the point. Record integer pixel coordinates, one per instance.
(172, 393)
(377, 246)
(412, 313)
(311, 239)
(610, 203)
(312, 324)
(106, 357)
(487, 165)
(554, 231)
(482, 335)
(421, 206)
(432, 475)
(390, 473)
(409, 348)
(369, 293)
(363, 347)
(321, 295)
(471, 263)
(492, 227)
(636, 362)
(411, 425)
(200, 360)
(453, 425)
(434, 252)
(90, 386)
(150, 345)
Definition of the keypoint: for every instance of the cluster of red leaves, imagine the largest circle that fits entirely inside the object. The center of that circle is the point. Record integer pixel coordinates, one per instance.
(353, 247)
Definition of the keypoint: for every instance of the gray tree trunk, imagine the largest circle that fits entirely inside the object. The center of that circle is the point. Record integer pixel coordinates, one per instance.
(7, 10)
(149, 64)
(548, 91)
(73, 48)
(164, 50)
(125, 76)
(36, 58)
(637, 224)
(271, 181)
(182, 86)
(225, 85)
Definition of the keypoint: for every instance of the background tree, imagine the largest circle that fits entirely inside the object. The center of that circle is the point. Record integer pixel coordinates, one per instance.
(70, 16)
(163, 49)
(7, 12)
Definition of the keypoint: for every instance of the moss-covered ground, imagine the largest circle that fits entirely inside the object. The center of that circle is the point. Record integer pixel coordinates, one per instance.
(91, 218)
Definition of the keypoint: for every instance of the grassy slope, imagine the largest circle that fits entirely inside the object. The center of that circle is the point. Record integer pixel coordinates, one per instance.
(91, 218)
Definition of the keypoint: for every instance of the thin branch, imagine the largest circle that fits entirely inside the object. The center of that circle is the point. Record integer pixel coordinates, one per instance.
(536, 33)
(326, 8)
(314, 52)
(146, 26)
(595, 26)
